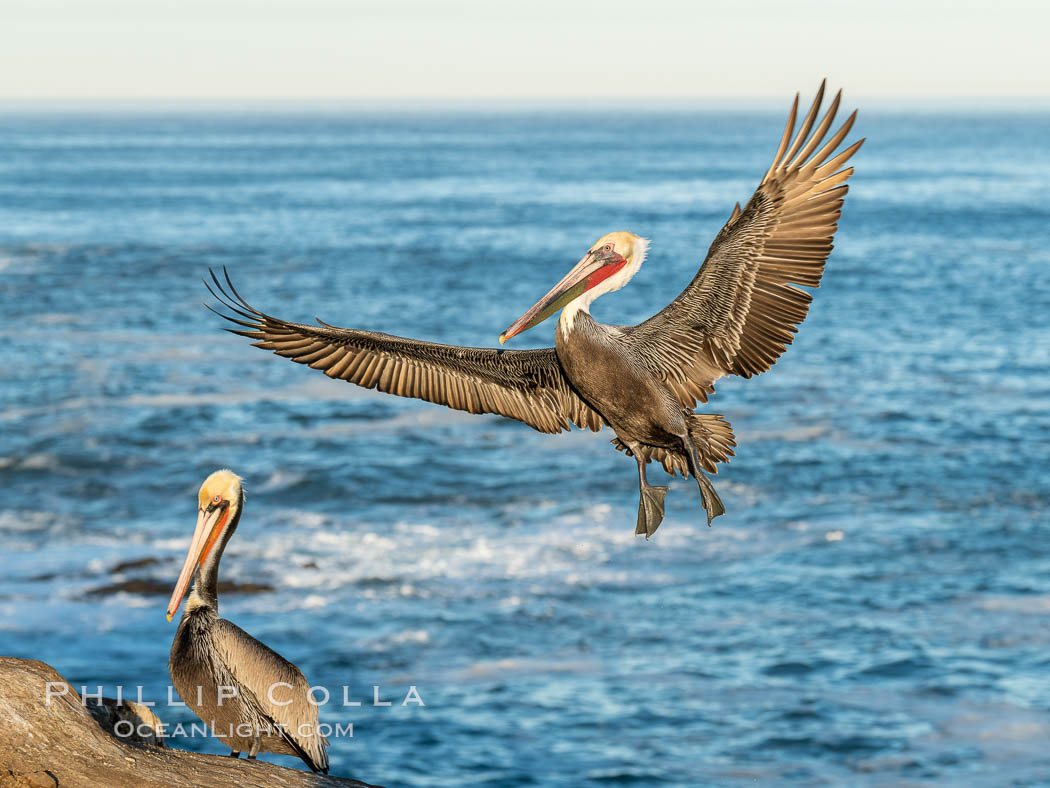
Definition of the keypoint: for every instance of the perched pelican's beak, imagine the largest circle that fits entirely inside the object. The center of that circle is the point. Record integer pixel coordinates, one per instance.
(210, 522)
(596, 266)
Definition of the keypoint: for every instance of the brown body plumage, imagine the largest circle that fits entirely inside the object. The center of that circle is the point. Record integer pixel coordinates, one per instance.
(736, 317)
(252, 698)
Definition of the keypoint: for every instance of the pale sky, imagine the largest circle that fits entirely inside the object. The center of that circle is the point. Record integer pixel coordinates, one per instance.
(109, 51)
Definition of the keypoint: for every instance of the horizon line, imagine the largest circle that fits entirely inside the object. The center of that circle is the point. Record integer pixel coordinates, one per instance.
(480, 104)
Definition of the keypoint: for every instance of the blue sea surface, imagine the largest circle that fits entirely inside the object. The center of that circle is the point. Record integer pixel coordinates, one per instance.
(874, 608)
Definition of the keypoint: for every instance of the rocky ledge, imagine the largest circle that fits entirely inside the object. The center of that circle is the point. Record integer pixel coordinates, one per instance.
(64, 745)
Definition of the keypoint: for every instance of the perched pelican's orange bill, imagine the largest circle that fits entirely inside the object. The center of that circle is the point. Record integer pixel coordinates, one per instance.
(214, 505)
(209, 526)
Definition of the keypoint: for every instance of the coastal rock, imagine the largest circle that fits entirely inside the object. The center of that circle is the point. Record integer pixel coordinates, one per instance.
(137, 563)
(61, 745)
(147, 586)
(145, 726)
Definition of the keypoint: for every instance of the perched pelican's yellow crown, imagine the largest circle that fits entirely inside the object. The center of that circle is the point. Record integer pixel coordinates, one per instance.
(225, 483)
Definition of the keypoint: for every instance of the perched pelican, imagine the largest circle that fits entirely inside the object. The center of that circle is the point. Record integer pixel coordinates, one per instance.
(736, 317)
(268, 710)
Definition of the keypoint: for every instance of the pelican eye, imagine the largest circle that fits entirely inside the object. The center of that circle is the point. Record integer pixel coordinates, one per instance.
(216, 499)
(607, 248)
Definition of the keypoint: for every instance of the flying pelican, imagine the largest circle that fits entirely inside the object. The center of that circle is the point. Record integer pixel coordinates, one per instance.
(268, 710)
(736, 317)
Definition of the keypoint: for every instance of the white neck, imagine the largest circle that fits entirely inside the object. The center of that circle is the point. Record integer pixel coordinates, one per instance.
(582, 302)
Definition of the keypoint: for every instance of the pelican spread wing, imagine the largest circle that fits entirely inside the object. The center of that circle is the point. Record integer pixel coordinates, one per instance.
(741, 309)
(527, 385)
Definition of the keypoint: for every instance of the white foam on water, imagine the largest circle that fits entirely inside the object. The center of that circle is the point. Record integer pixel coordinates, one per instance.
(302, 518)
(55, 318)
(426, 417)
(281, 480)
(124, 599)
(77, 403)
(793, 434)
(173, 543)
(1030, 605)
(408, 558)
(41, 462)
(313, 601)
(29, 521)
(485, 669)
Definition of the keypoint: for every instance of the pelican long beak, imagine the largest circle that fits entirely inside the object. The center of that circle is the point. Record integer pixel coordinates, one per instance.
(593, 268)
(210, 523)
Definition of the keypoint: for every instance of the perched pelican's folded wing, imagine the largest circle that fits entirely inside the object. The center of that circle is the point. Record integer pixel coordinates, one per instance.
(527, 385)
(740, 311)
(276, 689)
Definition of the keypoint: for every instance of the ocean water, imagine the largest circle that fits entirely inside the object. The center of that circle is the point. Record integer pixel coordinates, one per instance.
(874, 609)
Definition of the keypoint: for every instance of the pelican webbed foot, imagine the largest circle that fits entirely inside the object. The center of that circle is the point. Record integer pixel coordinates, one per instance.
(234, 754)
(712, 503)
(650, 509)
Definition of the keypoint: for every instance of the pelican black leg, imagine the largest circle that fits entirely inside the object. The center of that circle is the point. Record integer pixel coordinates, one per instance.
(712, 503)
(651, 500)
(235, 754)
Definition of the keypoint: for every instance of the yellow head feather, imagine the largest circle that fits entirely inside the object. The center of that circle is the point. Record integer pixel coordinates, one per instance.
(626, 244)
(225, 483)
